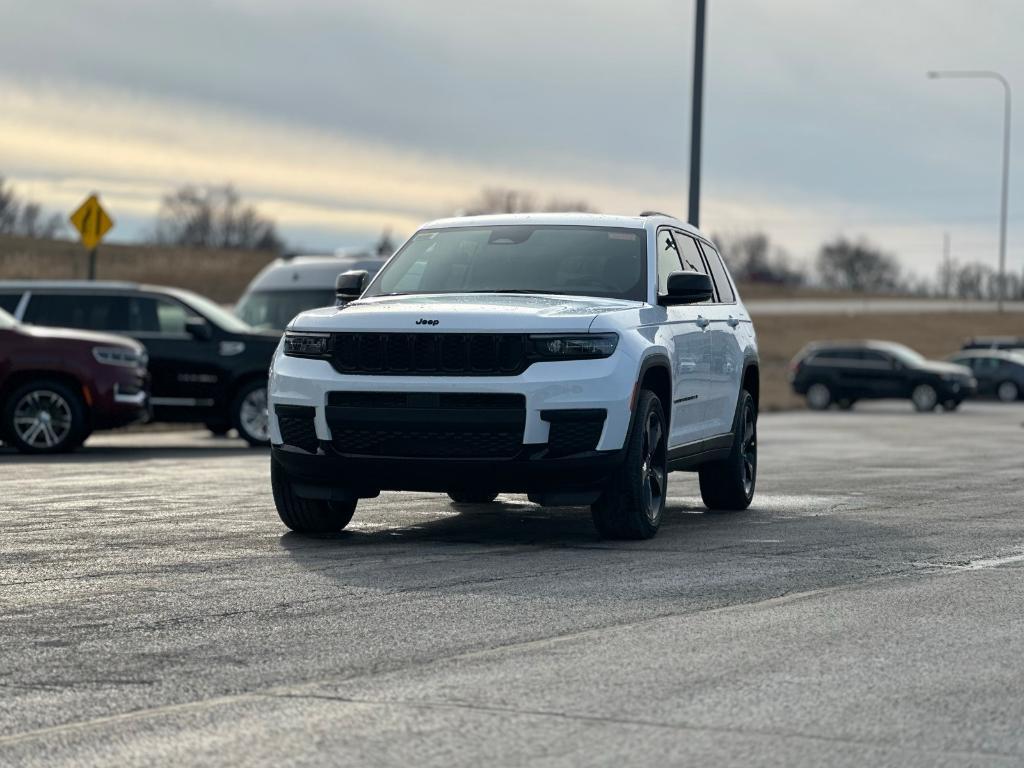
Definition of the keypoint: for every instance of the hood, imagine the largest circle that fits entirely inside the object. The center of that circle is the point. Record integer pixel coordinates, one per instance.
(85, 337)
(463, 312)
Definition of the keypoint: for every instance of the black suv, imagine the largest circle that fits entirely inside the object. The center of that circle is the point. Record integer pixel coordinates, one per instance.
(842, 373)
(206, 364)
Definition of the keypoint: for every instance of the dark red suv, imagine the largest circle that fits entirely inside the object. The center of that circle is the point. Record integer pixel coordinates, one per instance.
(57, 385)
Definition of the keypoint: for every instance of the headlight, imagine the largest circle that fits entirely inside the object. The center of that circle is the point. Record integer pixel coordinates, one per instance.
(307, 344)
(580, 347)
(126, 358)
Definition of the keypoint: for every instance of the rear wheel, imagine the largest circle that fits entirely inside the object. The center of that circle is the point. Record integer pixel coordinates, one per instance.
(307, 515)
(1008, 391)
(633, 502)
(45, 417)
(924, 397)
(846, 404)
(473, 497)
(819, 396)
(249, 414)
(951, 405)
(729, 484)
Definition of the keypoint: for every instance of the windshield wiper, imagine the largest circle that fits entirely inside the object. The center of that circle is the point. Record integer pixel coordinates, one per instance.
(506, 290)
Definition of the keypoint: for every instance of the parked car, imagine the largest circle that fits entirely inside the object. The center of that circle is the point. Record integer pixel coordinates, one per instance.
(57, 386)
(578, 358)
(293, 284)
(206, 364)
(1000, 374)
(843, 372)
(995, 342)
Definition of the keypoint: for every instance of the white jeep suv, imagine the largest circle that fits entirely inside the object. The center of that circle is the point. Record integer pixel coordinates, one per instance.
(576, 358)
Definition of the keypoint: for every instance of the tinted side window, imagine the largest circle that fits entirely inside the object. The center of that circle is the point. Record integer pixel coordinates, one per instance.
(830, 355)
(876, 358)
(152, 315)
(92, 313)
(9, 302)
(719, 275)
(668, 258)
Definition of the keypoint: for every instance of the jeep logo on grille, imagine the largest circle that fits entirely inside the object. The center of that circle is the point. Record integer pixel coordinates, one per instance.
(424, 321)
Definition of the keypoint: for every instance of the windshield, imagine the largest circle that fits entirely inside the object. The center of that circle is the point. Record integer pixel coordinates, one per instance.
(579, 261)
(6, 321)
(275, 309)
(215, 313)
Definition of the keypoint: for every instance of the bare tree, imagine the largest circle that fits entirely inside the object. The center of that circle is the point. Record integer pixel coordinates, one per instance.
(858, 266)
(26, 218)
(213, 217)
(501, 200)
(753, 258)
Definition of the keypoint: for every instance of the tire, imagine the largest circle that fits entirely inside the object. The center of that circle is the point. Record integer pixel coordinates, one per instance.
(819, 397)
(249, 414)
(307, 515)
(633, 502)
(925, 398)
(728, 484)
(1007, 391)
(45, 416)
(951, 405)
(218, 428)
(473, 497)
(847, 404)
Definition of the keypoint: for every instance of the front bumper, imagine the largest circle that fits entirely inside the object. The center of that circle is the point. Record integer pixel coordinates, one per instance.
(363, 476)
(603, 384)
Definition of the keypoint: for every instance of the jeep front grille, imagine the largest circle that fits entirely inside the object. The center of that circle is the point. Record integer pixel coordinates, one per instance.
(430, 354)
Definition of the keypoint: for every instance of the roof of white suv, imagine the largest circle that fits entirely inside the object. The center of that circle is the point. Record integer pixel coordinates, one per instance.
(566, 219)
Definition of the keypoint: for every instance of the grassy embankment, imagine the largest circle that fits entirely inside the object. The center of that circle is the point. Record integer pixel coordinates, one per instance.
(222, 275)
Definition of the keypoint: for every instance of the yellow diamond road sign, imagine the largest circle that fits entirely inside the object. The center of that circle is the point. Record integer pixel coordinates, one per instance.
(91, 221)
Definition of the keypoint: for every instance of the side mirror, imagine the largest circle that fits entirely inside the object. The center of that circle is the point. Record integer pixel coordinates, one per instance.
(687, 288)
(198, 328)
(349, 285)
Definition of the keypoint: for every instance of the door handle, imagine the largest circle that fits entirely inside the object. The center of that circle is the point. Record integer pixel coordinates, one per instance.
(732, 321)
(702, 322)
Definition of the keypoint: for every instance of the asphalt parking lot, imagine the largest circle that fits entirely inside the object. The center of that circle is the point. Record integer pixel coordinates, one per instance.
(868, 609)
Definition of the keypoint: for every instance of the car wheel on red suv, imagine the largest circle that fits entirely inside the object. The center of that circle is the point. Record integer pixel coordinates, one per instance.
(45, 416)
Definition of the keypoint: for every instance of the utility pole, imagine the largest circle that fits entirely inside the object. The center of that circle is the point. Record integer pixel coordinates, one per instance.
(1005, 193)
(696, 111)
(947, 267)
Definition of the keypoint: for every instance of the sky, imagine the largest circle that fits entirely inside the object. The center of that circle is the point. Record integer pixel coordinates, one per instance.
(341, 118)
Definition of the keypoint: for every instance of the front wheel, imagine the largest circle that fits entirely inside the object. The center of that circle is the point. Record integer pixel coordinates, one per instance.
(45, 417)
(632, 504)
(729, 484)
(249, 414)
(819, 397)
(307, 515)
(924, 397)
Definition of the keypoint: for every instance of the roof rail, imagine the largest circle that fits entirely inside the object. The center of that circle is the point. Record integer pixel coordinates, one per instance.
(656, 213)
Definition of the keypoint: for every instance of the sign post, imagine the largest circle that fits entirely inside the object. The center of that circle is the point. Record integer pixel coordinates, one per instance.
(92, 223)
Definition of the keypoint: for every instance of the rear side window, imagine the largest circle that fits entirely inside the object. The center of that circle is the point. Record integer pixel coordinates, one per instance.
(726, 295)
(9, 302)
(91, 313)
(122, 314)
(832, 355)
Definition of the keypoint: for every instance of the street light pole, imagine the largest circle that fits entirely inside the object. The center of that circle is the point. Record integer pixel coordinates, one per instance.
(989, 75)
(695, 112)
